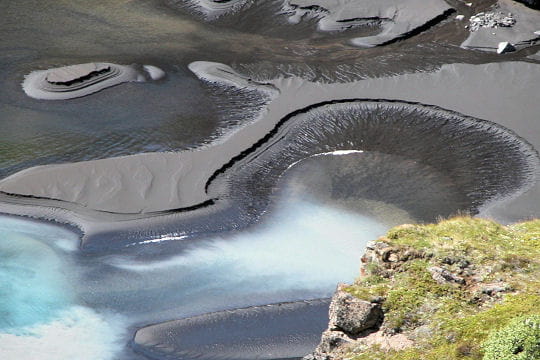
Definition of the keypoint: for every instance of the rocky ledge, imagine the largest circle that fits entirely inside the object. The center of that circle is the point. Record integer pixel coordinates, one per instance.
(461, 289)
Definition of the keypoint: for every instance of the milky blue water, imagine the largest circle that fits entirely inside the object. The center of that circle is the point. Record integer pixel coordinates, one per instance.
(32, 287)
(304, 245)
(39, 314)
(58, 305)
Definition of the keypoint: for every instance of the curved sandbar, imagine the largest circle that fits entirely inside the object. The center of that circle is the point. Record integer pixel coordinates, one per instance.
(277, 331)
(474, 160)
(396, 18)
(452, 87)
(74, 81)
(479, 158)
(135, 184)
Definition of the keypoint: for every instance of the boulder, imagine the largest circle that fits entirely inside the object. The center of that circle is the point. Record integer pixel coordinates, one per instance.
(505, 47)
(442, 276)
(350, 318)
(352, 315)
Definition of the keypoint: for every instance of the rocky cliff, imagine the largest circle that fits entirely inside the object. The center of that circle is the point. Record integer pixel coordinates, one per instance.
(441, 291)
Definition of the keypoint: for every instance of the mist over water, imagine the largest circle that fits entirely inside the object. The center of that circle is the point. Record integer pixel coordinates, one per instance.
(303, 244)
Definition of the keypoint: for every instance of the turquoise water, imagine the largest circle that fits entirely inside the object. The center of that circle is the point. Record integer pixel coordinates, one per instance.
(32, 286)
(39, 314)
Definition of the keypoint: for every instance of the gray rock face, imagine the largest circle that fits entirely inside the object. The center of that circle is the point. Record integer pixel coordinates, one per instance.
(352, 315)
(491, 20)
(494, 288)
(443, 276)
(349, 318)
(505, 47)
(330, 341)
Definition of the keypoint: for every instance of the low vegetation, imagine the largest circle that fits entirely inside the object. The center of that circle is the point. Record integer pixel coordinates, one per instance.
(464, 288)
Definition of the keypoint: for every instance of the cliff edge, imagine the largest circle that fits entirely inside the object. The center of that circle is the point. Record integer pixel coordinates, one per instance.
(464, 288)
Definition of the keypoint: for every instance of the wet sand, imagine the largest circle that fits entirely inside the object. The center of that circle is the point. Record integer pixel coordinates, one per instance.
(188, 175)
(237, 334)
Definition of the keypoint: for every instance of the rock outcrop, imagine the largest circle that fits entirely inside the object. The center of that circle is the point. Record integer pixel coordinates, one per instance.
(421, 285)
(350, 318)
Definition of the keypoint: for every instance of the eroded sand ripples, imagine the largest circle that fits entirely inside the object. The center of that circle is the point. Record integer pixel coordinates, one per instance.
(472, 161)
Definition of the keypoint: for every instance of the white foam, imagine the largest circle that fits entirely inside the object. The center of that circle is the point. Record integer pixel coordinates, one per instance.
(59, 237)
(340, 152)
(307, 245)
(79, 333)
(329, 153)
(170, 237)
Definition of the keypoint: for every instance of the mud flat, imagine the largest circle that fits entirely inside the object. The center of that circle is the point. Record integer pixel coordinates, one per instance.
(521, 34)
(74, 81)
(115, 211)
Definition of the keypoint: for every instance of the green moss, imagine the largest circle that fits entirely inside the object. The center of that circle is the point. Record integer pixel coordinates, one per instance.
(458, 318)
(410, 299)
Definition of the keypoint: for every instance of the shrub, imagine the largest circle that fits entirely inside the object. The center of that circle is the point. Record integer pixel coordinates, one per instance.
(519, 340)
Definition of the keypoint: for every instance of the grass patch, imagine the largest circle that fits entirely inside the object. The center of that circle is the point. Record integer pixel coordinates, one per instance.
(498, 285)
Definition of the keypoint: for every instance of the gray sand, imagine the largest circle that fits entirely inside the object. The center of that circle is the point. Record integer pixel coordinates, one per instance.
(396, 18)
(521, 34)
(139, 183)
(276, 331)
(156, 205)
(535, 56)
(481, 91)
